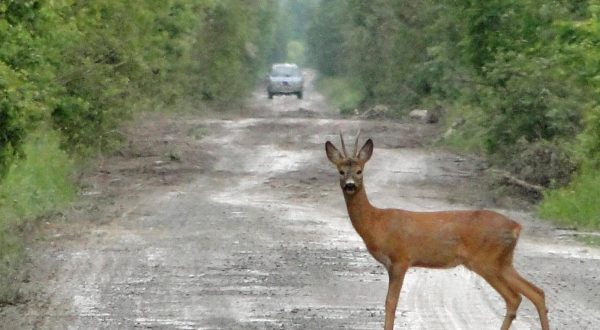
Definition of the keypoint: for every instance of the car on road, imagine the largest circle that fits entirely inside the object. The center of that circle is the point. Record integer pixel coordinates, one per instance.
(285, 79)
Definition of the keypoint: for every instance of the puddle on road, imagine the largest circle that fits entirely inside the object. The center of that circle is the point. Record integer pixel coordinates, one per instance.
(264, 160)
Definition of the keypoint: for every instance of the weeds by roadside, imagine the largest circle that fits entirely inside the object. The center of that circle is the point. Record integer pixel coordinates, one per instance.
(343, 93)
(576, 204)
(36, 185)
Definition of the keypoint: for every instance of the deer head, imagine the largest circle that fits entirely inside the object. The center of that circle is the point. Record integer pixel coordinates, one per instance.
(482, 240)
(350, 167)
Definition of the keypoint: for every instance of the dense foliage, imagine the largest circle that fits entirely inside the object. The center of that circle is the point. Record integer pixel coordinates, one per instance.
(519, 80)
(84, 66)
(71, 71)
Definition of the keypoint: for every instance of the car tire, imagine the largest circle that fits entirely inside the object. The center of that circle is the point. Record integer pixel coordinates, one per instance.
(299, 94)
(270, 96)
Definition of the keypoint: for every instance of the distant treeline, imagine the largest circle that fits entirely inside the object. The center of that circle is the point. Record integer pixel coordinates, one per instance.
(518, 80)
(81, 67)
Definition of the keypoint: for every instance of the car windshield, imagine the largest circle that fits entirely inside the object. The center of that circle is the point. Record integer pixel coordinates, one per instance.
(285, 71)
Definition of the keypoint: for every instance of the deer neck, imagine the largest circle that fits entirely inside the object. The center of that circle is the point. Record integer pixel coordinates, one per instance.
(360, 210)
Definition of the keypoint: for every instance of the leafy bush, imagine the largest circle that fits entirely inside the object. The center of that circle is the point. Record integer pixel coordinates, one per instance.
(521, 74)
(12, 123)
(576, 204)
(35, 185)
(590, 138)
(235, 38)
(39, 182)
(543, 163)
(464, 131)
(86, 67)
(526, 101)
(24, 85)
(344, 93)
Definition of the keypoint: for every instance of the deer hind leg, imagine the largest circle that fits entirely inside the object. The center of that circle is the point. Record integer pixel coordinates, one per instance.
(532, 292)
(396, 275)
(511, 297)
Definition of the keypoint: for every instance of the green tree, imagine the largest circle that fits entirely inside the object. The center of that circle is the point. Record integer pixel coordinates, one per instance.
(233, 47)
(325, 39)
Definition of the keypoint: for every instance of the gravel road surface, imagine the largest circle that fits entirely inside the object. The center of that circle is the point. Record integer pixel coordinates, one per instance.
(243, 226)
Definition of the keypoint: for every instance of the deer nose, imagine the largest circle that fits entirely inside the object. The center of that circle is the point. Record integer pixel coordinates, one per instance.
(350, 185)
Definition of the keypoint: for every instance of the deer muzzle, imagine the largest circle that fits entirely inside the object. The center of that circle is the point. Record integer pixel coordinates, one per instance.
(349, 186)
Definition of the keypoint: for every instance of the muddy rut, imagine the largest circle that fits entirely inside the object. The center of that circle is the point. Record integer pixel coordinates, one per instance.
(244, 227)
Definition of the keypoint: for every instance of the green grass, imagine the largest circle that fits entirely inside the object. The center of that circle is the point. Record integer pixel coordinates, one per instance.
(36, 185)
(589, 239)
(577, 204)
(464, 129)
(345, 94)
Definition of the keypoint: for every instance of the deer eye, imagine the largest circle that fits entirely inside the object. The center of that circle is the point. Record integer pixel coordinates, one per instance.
(359, 172)
(342, 172)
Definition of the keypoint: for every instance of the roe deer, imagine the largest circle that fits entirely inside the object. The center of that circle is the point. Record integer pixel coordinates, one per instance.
(481, 240)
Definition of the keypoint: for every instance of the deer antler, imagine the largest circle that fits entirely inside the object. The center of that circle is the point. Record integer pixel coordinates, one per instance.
(343, 145)
(355, 153)
(484, 240)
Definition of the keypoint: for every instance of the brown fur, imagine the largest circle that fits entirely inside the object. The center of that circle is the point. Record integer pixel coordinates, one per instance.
(481, 240)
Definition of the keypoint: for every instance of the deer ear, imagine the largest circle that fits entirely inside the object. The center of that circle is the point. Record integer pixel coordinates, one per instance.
(332, 153)
(366, 151)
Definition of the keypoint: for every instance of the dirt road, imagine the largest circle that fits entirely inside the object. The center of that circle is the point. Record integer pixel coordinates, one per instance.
(240, 224)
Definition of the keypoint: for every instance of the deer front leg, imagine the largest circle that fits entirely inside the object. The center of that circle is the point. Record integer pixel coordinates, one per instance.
(396, 275)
